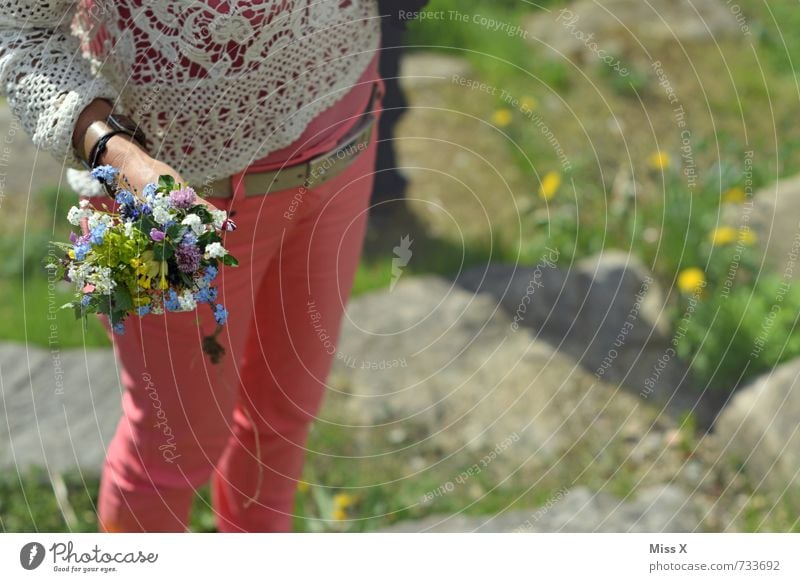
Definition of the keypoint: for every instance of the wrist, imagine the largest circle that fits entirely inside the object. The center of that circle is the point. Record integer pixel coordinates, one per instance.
(121, 149)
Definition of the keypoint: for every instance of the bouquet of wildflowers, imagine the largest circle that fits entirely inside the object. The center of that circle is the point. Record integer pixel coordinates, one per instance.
(159, 250)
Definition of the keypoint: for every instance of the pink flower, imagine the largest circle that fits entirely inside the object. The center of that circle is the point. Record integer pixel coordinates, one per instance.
(183, 198)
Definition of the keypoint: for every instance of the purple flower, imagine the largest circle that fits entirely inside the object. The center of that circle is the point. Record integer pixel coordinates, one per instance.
(188, 258)
(183, 198)
(157, 235)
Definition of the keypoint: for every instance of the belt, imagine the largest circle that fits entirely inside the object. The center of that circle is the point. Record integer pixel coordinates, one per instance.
(313, 172)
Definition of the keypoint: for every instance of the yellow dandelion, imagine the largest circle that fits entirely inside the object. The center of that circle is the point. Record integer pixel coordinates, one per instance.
(550, 185)
(659, 161)
(342, 500)
(502, 117)
(734, 195)
(528, 104)
(747, 236)
(691, 280)
(723, 235)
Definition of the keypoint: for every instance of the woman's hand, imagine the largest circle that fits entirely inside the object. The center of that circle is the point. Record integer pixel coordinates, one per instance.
(136, 167)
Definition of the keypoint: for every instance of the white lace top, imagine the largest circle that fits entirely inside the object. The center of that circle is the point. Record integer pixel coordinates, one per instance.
(215, 84)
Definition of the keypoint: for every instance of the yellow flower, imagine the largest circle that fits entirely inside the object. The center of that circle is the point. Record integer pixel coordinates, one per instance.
(659, 161)
(528, 104)
(140, 299)
(342, 500)
(71, 254)
(734, 194)
(550, 184)
(163, 284)
(502, 117)
(723, 235)
(339, 514)
(691, 280)
(302, 486)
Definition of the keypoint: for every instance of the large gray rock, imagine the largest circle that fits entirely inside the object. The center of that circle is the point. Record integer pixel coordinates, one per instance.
(60, 407)
(773, 213)
(760, 430)
(660, 508)
(447, 369)
(606, 312)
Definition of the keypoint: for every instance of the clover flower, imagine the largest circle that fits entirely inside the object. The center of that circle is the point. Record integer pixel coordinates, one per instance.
(188, 258)
(183, 198)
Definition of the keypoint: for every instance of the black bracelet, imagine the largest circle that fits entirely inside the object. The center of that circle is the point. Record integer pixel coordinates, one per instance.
(100, 146)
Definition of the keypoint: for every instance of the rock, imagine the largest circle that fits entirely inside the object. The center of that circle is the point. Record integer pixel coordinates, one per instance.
(448, 367)
(660, 508)
(422, 69)
(607, 312)
(624, 26)
(758, 430)
(57, 422)
(774, 215)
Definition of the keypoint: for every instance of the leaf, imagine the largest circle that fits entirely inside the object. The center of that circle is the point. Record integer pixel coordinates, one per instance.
(201, 211)
(122, 299)
(166, 183)
(230, 261)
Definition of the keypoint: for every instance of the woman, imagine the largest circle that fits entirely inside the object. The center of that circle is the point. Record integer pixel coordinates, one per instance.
(269, 108)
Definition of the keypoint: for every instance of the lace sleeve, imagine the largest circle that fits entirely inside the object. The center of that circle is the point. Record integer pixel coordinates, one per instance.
(44, 75)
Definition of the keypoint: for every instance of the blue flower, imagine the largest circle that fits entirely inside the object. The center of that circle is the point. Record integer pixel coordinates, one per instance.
(98, 232)
(125, 197)
(189, 238)
(172, 303)
(81, 251)
(119, 328)
(85, 300)
(206, 295)
(149, 191)
(220, 314)
(210, 274)
(106, 174)
(142, 310)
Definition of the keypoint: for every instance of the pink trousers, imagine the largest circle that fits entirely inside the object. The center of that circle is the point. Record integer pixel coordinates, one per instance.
(243, 423)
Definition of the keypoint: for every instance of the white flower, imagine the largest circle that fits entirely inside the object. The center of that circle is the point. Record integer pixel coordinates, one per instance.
(75, 215)
(218, 217)
(102, 281)
(215, 251)
(96, 218)
(193, 221)
(128, 229)
(84, 203)
(161, 214)
(186, 301)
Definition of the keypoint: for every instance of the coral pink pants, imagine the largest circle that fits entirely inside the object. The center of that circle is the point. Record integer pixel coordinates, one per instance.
(244, 422)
